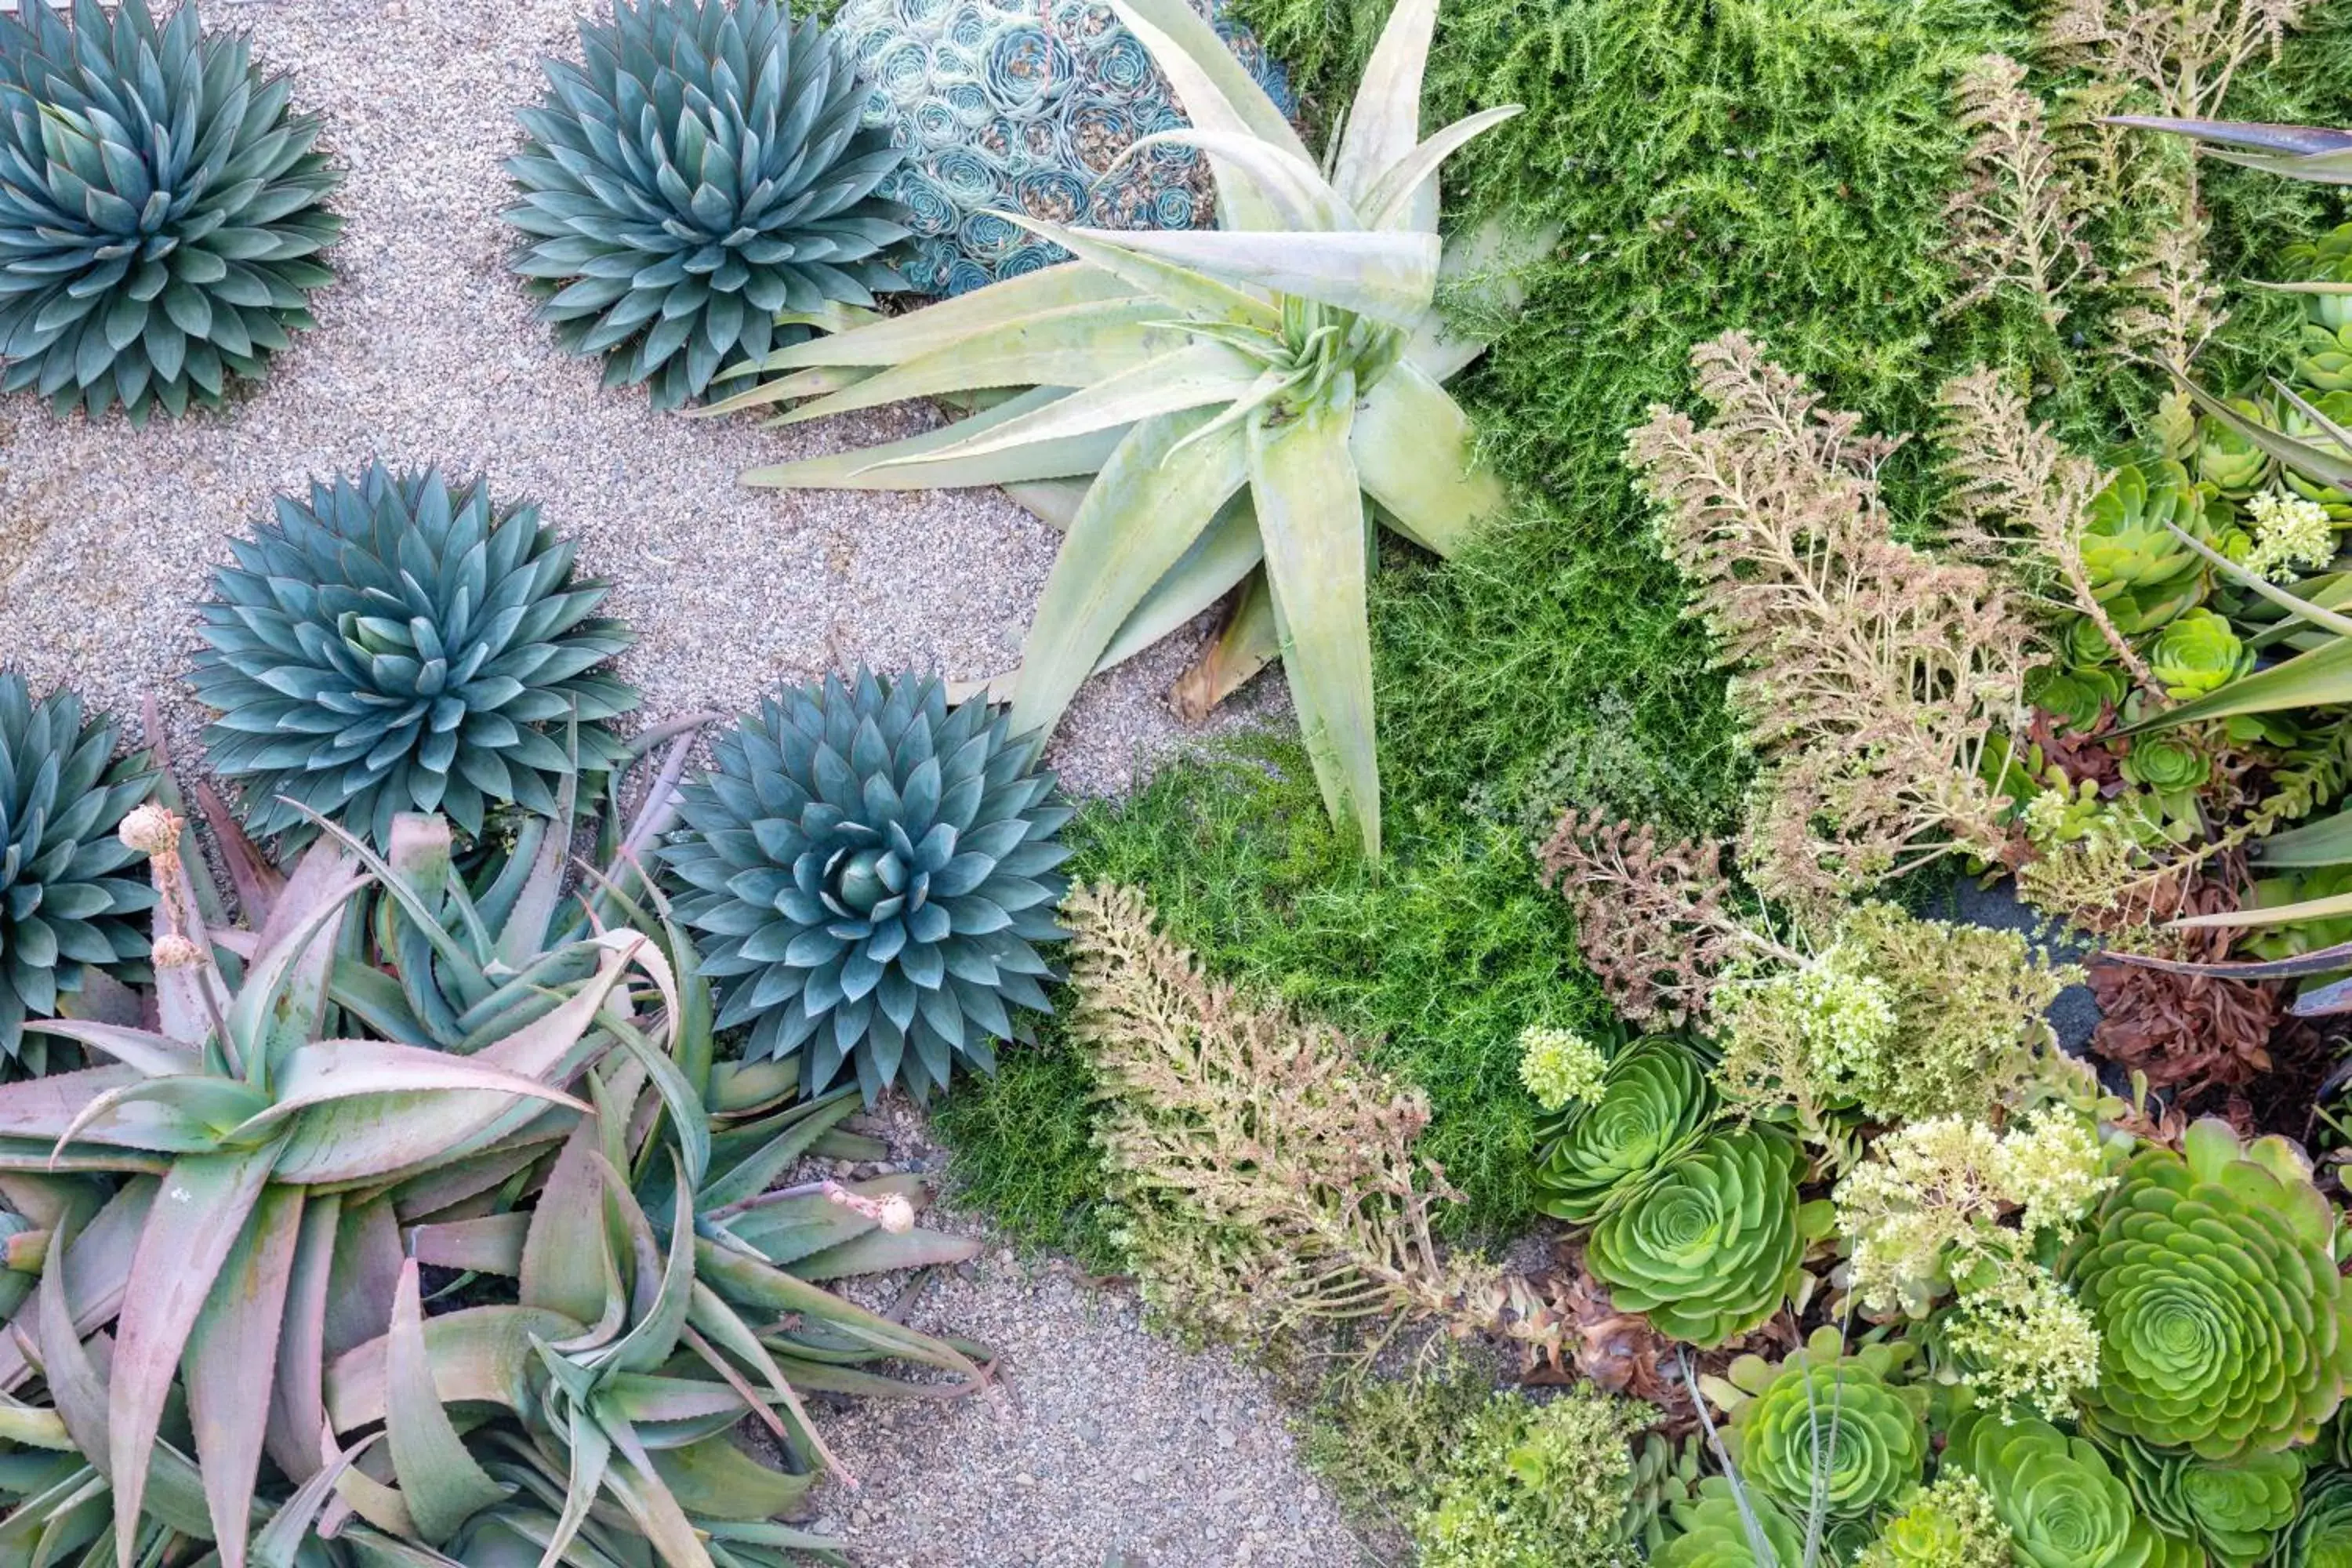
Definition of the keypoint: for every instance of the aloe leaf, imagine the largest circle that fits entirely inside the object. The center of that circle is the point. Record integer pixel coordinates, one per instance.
(1203, 299)
(98, 1264)
(879, 1252)
(1138, 519)
(1091, 423)
(2268, 915)
(690, 1122)
(1216, 90)
(1245, 644)
(328, 1071)
(441, 1482)
(2317, 678)
(745, 1282)
(366, 1271)
(1390, 277)
(558, 1270)
(297, 1410)
(1414, 453)
(1310, 513)
(34, 1427)
(203, 1205)
(279, 1545)
(152, 1054)
(485, 1244)
(1489, 265)
(181, 1115)
(1059, 348)
(1290, 187)
(590, 1453)
(1384, 121)
(2314, 462)
(232, 1355)
(2322, 961)
(648, 1501)
(716, 1479)
(972, 316)
(652, 1338)
(1405, 196)
(2298, 151)
(481, 1354)
(285, 992)
(871, 467)
(44, 1108)
(2327, 842)
(754, 1173)
(708, 1313)
(77, 1392)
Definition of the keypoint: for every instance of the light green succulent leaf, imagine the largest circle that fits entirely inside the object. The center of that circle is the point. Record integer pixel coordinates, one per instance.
(1071, 347)
(2319, 463)
(442, 1484)
(1384, 121)
(1193, 376)
(1054, 502)
(979, 314)
(186, 1114)
(1288, 184)
(1310, 514)
(1400, 197)
(150, 1052)
(1390, 277)
(1413, 451)
(1179, 287)
(865, 468)
(1138, 519)
(590, 1454)
(1216, 90)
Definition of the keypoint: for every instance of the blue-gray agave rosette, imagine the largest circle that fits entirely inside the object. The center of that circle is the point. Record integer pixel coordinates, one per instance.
(1043, 101)
(160, 210)
(870, 872)
(702, 171)
(390, 644)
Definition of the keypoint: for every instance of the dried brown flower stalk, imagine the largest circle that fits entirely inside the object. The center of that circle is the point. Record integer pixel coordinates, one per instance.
(1268, 1173)
(1650, 918)
(2177, 307)
(2184, 52)
(1871, 677)
(2016, 222)
(2021, 500)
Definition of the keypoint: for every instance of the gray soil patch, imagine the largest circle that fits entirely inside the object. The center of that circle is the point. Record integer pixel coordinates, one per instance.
(1108, 1445)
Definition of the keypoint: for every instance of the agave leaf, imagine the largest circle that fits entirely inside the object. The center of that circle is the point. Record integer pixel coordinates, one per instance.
(194, 1223)
(1311, 519)
(1389, 277)
(2312, 679)
(1405, 196)
(1201, 297)
(2314, 462)
(1074, 347)
(1138, 519)
(1384, 121)
(2298, 151)
(1413, 452)
(443, 1484)
(1291, 188)
(1092, 422)
(231, 1354)
(966, 318)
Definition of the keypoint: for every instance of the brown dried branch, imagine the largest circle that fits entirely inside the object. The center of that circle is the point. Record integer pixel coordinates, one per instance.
(1650, 918)
(1268, 1173)
(2197, 1034)
(2183, 52)
(1872, 677)
(2015, 223)
(2177, 307)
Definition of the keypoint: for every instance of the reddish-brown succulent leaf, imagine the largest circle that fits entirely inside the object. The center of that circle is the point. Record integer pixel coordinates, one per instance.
(296, 1407)
(366, 1270)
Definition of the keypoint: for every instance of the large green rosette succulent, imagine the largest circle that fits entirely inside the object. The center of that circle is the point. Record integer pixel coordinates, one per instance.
(2211, 1274)
(871, 872)
(1711, 1248)
(1822, 1426)
(2199, 652)
(390, 644)
(2226, 459)
(66, 907)
(2321, 1535)
(2234, 1508)
(2142, 574)
(1713, 1532)
(2063, 1504)
(1654, 1102)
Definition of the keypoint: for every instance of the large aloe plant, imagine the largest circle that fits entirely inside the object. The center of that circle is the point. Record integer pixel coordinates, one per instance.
(227, 1225)
(1232, 399)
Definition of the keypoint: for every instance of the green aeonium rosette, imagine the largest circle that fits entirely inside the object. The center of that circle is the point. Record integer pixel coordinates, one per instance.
(2234, 1508)
(1825, 1427)
(2197, 653)
(1654, 1102)
(2063, 1504)
(2321, 1535)
(1710, 1249)
(1713, 1532)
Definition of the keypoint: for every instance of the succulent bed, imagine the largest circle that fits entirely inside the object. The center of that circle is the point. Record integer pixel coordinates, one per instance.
(1712, 484)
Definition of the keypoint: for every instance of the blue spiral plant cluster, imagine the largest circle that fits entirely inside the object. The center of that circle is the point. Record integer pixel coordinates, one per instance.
(1024, 106)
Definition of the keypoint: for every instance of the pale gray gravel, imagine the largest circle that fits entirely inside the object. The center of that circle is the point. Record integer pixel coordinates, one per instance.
(1112, 1446)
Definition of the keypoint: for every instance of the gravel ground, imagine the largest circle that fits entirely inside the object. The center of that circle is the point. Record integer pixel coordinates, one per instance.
(426, 352)
(1107, 1446)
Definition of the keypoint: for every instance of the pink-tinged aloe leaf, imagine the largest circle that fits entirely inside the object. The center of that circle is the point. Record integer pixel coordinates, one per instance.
(717, 1480)
(155, 1055)
(481, 1354)
(488, 1244)
(284, 996)
(433, 1196)
(348, 1141)
(560, 1269)
(281, 1538)
(258, 880)
(643, 1399)
(97, 1258)
(688, 1120)
(709, 1313)
(366, 1270)
(648, 1501)
(1310, 513)
(878, 1252)
(76, 1389)
(199, 1211)
(177, 1115)
(232, 1355)
(652, 1338)
(44, 1108)
(591, 1454)
(296, 1408)
(443, 1484)
(328, 1071)
(1140, 518)
(755, 1172)
(1413, 452)
(747, 1282)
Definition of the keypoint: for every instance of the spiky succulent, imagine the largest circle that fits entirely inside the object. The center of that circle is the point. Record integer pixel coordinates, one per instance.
(2063, 1504)
(1231, 399)
(1654, 1101)
(1823, 1427)
(160, 209)
(2211, 1274)
(392, 644)
(1010, 106)
(1712, 1532)
(63, 910)
(1711, 1249)
(2321, 1535)
(703, 172)
(871, 871)
(2233, 1508)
